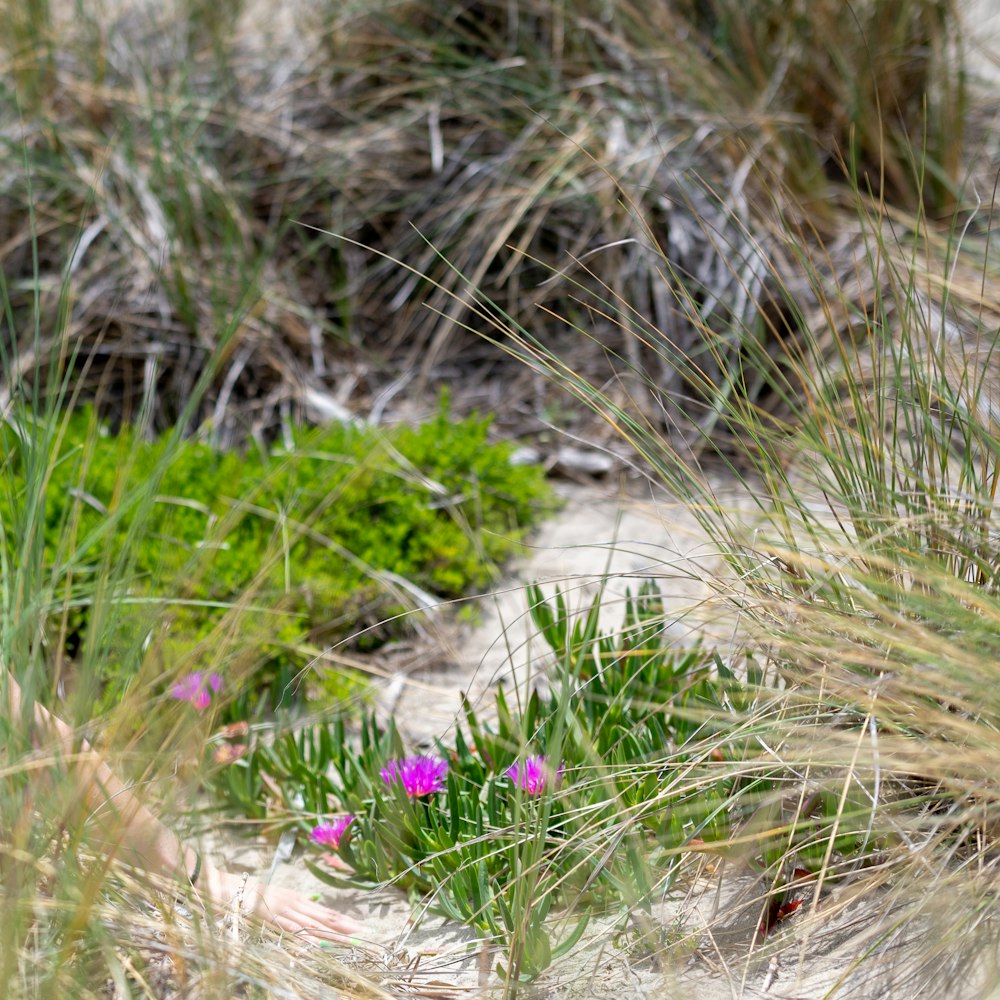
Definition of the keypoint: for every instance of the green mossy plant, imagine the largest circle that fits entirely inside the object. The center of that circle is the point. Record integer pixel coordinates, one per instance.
(298, 549)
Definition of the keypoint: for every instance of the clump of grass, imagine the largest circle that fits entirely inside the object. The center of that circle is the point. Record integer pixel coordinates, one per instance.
(867, 577)
(72, 920)
(826, 90)
(548, 154)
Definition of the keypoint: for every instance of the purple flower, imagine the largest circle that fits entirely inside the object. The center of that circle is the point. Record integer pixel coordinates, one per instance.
(195, 688)
(419, 775)
(329, 834)
(532, 773)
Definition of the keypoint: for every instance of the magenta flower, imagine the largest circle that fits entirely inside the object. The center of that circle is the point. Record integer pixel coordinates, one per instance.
(329, 834)
(419, 775)
(197, 688)
(532, 773)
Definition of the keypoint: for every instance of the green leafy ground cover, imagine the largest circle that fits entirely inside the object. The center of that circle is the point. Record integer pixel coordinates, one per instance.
(581, 801)
(334, 540)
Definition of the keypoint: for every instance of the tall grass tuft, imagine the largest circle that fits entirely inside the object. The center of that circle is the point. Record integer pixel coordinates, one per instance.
(857, 405)
(548, 152)
(865, 580)
(74, 922)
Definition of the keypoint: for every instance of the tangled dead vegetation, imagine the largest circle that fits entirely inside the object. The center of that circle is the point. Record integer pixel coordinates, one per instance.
(205, 191)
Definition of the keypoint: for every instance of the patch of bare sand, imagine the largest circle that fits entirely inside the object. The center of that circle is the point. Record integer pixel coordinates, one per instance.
(600, 542)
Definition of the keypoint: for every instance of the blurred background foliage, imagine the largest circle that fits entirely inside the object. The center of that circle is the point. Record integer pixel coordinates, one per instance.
(328, 183)
(340, 539)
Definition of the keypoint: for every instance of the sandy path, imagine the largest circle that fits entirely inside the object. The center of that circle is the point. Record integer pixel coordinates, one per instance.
(599, 539)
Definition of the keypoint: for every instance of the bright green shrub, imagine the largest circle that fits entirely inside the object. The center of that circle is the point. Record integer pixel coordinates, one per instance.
(323, 542)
